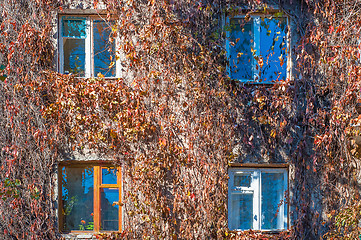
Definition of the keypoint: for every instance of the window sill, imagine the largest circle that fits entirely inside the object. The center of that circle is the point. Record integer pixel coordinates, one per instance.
(259, 165)
(104, 78)
(257, 83)
(79, 236)
(258, 233)
(83, 235)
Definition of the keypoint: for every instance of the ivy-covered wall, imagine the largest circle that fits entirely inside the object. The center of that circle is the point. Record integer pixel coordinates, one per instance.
(175, 122)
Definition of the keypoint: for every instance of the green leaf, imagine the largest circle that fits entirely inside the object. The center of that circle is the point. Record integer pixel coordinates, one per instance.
(17, 182)
(278, 14)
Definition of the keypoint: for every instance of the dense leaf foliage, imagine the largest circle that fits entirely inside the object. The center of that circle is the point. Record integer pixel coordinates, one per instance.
(175, 121)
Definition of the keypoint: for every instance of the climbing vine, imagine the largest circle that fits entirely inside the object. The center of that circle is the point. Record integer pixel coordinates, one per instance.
(175, 122)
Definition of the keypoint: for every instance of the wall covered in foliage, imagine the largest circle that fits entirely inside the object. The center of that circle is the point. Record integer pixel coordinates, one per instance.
(175, 122)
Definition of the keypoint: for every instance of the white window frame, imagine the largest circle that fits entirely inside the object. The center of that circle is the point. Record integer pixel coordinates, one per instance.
(89, 46)
(256, 18)
(256, 189)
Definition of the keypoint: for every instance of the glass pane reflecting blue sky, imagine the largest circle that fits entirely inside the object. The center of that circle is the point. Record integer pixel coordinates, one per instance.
(273, 47)
(242, 180)
(109, 198)
(104, 50)
(273, 191)
(241, 37)
(109, 176)
(241, 211)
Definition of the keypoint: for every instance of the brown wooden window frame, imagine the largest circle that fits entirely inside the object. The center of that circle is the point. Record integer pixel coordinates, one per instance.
(97, 171)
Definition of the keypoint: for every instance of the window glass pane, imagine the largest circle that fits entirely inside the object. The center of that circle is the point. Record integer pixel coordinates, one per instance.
(242, 180)
(74, 56)
(74, 27)
(273, 47)
(109, 198)
(109, 176)
(104, 50)
(273, 205)
(241, 37)
(241, 211)
(77, 198)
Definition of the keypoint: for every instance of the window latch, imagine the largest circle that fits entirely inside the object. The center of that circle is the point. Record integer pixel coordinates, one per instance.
(255, 217)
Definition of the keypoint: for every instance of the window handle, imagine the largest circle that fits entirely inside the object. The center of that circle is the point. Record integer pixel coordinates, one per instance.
(255, 217)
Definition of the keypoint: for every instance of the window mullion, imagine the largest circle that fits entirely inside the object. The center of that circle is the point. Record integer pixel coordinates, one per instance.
(119, 178)
(256, 202)
(256, 44)
(88, 48)
(60, 197)
(280, 222)
(60, 44)
(97, 181)
(259, 199)
(228, 51)
(288, 53)
(117, 57)
(230, 187)
(282, 208)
